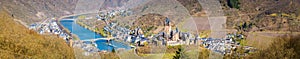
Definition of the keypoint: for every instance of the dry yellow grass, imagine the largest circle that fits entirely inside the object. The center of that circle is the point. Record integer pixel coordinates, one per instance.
(18, 42)
(258, 40)
(262, 40)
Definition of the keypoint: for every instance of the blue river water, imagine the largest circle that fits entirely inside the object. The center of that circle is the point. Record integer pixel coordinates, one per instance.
(85, 34)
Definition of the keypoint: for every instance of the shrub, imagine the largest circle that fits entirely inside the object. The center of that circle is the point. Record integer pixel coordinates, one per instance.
(233, 4)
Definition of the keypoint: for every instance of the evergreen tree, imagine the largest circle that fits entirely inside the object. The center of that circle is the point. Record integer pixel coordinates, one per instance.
(178, 54)
(233, 4)
(113, 50)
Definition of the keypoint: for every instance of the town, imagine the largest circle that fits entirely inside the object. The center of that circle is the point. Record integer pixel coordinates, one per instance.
(136, 37)
(170, 37)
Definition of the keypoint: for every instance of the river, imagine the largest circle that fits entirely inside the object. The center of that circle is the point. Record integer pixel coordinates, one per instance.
(85, 34)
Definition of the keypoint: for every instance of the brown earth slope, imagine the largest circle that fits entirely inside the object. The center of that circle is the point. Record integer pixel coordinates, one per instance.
(193, 6)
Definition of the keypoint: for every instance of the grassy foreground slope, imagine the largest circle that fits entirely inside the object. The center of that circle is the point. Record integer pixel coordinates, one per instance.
(17, 42)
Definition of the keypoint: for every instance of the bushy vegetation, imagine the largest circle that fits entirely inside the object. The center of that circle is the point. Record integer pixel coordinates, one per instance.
(178, 54)
(17, 42)
(204, 54)
(183, 53)
(287, 47)
(233, 4)
(109, 56)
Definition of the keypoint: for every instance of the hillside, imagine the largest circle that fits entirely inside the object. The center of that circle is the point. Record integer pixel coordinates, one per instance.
(17, 42)
(263, 15)
(151, 19)
(171, 9)
(193, 6)
(113, 4)
(271, 26)
(30, 11)
(287, 46)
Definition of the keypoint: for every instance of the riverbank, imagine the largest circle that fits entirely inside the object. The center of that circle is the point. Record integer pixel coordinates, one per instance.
(75, 37)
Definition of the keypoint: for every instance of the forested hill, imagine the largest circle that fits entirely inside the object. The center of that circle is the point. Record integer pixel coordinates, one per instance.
(17, 42)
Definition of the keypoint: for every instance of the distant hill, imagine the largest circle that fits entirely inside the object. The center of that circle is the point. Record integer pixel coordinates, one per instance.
(263, 15)
(30, 11)
(17, 42)
(113, 3)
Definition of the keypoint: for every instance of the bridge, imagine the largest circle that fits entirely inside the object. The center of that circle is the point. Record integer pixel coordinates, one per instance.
(67, 19)
(97, 39)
